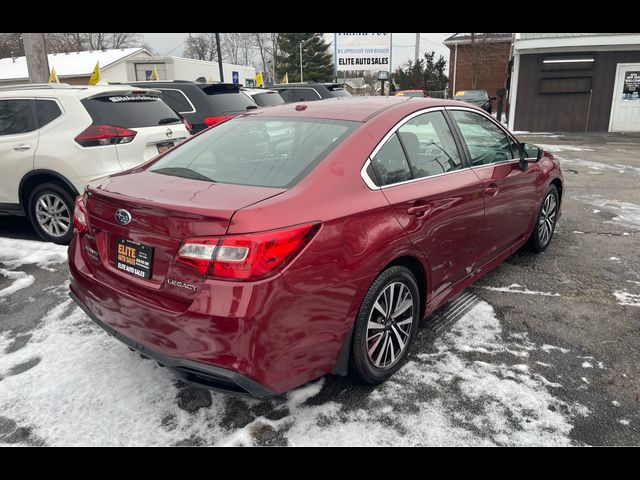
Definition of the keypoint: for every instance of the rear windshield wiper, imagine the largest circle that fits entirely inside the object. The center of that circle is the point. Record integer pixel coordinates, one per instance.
(183, 172)
(249, 107)
(168, 120)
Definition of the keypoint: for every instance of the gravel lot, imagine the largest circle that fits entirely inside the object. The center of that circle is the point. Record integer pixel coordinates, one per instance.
(543, 351)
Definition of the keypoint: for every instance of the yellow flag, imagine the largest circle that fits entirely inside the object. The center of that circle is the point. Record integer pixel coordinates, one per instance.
(154, 74)
(53, 78)
(95, 76)
(286, 78)
(259, 81)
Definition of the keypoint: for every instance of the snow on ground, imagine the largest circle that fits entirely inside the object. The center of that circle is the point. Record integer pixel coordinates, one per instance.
(564, 148)
(598, 167)
(517, 288)
(626, 298)
(71, 384)
(15, 253)
(624, 213)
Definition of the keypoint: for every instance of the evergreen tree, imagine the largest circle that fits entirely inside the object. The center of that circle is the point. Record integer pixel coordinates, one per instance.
(426, 74)
(317, 60)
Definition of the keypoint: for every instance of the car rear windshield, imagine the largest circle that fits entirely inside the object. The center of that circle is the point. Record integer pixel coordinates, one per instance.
(259, 151)
(229, 98)
(413, 94)
(472, 95)
(267, 99)
(130, 111)
(338, 92)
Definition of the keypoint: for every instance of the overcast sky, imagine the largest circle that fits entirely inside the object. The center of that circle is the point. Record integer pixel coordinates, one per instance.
(403, 44)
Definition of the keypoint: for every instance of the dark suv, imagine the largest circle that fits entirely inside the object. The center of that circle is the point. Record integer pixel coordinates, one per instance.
(307, 92)
(202, 104)
(479, 98)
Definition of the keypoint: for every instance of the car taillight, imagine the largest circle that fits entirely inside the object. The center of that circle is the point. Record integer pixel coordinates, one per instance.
(96, 135)
(80, 216)
(213, 121)
(246, 257)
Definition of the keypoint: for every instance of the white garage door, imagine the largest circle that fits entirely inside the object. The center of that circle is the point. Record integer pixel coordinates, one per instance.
(625, 108)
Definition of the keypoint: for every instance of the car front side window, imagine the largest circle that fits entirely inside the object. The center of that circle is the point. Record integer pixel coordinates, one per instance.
(487, 143)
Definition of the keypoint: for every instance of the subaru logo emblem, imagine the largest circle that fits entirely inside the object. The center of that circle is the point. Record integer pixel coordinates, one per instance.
(169, 133)
(122, 216)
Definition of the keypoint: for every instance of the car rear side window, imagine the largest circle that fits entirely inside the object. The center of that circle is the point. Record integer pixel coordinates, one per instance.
(267, 99)
(130, 111)
(47, 110)
(487, 143)
(391, 162)
(177, 100)
(429, 145)
(269, 152)
(16, 116)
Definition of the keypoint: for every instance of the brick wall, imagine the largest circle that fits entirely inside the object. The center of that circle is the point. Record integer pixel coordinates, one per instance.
(492, 71)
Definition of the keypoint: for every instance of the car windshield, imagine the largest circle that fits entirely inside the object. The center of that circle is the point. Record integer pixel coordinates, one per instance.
(472, 95)
(259, 151)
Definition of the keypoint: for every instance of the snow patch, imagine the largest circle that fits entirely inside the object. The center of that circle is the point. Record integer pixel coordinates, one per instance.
(20, 280)
(565, 148)
(624, 421)
(626, 298)
(17, 252)
(624, 213)
(516, 288)
(586, 365)
(615, 403)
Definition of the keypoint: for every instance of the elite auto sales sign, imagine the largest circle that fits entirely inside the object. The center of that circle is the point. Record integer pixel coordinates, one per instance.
(363, 51)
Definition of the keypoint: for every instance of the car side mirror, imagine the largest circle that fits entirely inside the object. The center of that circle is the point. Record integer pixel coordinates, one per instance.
(527, 150)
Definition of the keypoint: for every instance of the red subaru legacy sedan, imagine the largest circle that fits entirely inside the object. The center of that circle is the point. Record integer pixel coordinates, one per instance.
(306, 239)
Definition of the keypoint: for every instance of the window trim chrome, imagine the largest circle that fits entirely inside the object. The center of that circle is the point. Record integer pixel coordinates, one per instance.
(363, 171)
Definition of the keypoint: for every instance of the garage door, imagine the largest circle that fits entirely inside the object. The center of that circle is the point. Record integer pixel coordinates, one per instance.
(625, 109)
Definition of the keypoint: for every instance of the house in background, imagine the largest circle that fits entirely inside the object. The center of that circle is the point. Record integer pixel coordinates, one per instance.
(575, 82)
(493, 51)
(125, 65)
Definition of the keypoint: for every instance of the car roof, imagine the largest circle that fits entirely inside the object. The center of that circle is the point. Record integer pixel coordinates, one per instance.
(358, 109)
(62, 89)
(305, 84)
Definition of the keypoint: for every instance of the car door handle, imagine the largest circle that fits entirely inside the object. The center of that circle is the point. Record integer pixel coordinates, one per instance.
(491, 190)
(21, 146)
(419, 210)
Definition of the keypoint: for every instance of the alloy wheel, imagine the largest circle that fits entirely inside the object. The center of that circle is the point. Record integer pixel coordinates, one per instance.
(389, 325)
(52, 214)
(547, 219)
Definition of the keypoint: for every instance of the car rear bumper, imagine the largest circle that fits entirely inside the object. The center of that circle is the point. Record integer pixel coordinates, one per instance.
(200, 374)
(257, 337)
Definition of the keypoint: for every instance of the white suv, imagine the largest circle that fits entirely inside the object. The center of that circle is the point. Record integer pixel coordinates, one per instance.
(55, 138)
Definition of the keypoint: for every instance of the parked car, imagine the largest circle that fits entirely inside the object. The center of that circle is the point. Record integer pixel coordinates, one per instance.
(479, 98)
(307, 92)
(412, 93)
(202, 104)
(54, 138)
(264, 97)
(256, 263)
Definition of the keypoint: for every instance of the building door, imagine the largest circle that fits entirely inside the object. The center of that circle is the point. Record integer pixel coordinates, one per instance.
(625, 108)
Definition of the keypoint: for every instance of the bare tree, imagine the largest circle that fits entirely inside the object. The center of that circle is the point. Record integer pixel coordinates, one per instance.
(201, 46)
(11, 45)
(238, 48)
(481, 52)
(73, 42)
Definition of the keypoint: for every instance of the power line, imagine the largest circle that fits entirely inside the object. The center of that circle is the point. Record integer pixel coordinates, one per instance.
(173, 49)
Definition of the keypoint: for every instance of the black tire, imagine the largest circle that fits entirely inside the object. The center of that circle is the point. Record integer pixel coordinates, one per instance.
(52, 191)
(361, 366)
(542, 234)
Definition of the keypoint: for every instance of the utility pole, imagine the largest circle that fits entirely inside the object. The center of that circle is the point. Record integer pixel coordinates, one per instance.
(417, 52)
(36, 52)
(219, 57)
